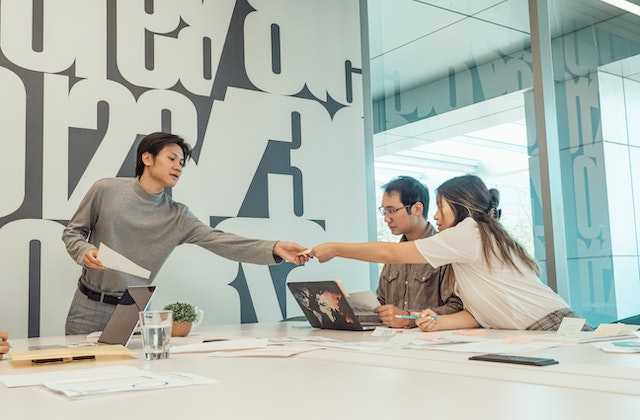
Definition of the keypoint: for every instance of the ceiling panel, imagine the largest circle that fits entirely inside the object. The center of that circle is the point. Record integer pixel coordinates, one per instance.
(396, 23)
(464, 7)
(434, 40)
(468, 43)
(512, 13)
(565, 16)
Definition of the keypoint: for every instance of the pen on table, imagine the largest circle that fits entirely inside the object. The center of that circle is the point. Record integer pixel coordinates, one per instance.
(415, 316)
(412, 315)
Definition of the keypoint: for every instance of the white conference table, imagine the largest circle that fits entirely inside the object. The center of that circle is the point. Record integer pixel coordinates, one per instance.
(343, 384)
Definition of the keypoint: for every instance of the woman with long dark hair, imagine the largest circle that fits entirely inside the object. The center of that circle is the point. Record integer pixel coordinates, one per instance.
(494, 276)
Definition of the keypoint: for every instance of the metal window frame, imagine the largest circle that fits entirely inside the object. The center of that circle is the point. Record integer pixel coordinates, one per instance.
(548, 141)
(372, 229)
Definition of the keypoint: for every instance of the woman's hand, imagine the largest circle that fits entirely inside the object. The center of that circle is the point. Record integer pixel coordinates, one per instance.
(428, 320)
(324, 252)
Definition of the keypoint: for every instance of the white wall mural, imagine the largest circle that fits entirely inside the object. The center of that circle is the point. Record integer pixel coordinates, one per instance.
(269, 93)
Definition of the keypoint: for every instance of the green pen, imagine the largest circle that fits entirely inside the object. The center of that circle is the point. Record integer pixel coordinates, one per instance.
(411, 316)
(415, 316)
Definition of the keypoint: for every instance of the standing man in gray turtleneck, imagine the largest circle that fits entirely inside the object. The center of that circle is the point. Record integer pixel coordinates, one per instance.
(137, 218)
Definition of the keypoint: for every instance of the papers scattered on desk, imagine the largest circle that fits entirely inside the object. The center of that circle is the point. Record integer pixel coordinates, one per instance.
(276, 350)
(139, 381)
(496, 346)
(308, 339)
(78, 383)
(114, 261)
(223, 345)
(614, 330)
(386, 332)
(604, 332)
(65, 374)
(366, 346)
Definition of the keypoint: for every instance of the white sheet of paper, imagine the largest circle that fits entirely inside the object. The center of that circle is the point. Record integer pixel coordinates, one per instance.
(140, 381)
(368, 346)
(34, 379)
(385, 332)
(364, 301)
(114, 261)
(227, 345)
(571, 326)
(309, 339)
(270, 351)
(494, 346)
(610, 330)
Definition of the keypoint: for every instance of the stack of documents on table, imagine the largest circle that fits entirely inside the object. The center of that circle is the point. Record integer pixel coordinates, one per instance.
(280, 347)
(80, 383)
(501, 346)
(273, 350)
(311, 340)
(256, 347)
(604, 332)
(388, 332)
(222, 344)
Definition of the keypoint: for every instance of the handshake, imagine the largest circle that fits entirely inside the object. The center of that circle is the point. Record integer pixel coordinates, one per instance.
(297, 254)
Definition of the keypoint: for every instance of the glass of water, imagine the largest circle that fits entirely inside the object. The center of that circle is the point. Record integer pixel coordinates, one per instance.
(156, 332)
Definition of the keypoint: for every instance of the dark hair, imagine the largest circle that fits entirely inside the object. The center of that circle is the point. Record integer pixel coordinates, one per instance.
(411, 191)
(468, 196)
(153, 143)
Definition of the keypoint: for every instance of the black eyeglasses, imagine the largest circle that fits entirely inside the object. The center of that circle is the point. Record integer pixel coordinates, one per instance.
(391, 211)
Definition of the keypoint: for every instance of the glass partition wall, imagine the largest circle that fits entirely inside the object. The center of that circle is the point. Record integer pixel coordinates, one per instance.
(452, 87)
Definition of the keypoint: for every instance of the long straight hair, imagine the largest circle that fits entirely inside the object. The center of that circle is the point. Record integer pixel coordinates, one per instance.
(468, 196)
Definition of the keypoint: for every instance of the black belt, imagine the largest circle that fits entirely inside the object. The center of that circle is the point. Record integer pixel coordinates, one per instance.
(98, 296)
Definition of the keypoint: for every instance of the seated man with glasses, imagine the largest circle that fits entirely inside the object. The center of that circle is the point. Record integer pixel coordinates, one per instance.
(407, 288)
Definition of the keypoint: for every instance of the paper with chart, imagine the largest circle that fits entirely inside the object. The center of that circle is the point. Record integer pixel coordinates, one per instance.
(35, 379)
(114, 261)
(141, 380)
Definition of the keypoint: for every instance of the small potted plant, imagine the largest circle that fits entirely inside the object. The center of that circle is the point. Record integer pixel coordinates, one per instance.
(184, 315)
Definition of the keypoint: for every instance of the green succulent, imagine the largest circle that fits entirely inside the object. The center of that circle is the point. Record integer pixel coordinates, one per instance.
(182, 312)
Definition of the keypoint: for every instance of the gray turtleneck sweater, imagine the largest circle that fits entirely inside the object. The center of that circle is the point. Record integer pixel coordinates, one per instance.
(145, 228)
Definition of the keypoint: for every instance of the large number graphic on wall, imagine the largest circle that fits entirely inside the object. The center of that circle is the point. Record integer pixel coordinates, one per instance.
(267, 91)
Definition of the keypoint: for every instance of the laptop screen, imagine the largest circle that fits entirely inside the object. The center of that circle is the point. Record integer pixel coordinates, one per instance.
(125, 317)
(324, 304)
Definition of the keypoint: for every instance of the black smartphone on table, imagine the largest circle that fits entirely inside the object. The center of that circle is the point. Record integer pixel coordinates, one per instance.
(518, 360)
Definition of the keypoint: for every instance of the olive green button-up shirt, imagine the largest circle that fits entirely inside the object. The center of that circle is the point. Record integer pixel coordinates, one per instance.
(414, 287)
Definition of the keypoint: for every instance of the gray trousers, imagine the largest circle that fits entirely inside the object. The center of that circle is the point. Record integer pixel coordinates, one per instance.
(86, 315)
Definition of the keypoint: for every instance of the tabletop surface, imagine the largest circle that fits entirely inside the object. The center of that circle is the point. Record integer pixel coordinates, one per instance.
(332, 383)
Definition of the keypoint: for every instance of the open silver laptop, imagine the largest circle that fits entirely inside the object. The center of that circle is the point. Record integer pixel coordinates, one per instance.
(326, 306)
(125, 317)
